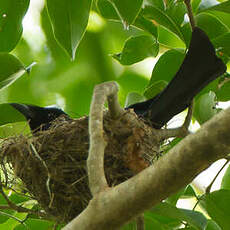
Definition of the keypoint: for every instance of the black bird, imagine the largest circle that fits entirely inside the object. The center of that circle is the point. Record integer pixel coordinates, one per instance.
(39, 118)
(199, 68)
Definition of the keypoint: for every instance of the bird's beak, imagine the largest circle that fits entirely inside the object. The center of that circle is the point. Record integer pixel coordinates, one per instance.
(23, 109)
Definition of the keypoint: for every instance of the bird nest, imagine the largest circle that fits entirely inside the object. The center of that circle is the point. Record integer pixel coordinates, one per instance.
(52, 163)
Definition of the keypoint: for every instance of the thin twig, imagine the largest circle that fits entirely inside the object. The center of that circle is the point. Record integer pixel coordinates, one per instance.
(177, 132)
(188, 118)
(190, 13)
(207, 190)
(95, 161)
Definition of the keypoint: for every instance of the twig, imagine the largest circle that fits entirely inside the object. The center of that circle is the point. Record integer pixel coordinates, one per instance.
(140, 223)
(207, 190)
(190, 13)
(178, 132)
(95, 161)
(46, 167)
(188, 118)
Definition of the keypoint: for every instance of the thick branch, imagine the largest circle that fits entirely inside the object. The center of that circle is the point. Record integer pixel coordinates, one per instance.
(95, 162)
(112, 208)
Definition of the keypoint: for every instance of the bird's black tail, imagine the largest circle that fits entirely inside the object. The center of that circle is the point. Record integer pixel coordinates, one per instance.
(200, 67)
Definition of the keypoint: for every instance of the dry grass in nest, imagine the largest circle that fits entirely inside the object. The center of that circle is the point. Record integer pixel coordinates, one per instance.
(52, 163)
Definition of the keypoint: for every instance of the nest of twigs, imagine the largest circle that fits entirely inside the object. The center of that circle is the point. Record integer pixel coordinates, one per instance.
(52, 163)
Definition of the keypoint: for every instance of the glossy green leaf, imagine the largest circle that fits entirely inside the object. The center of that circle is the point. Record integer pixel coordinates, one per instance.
(195, 5)
(176, 11)
(193, 218)
(35, 224)
(223, 7)
(175, 197)
(162, 18)
(133, 98)
(136, 49)
(189, 192)
(11, 15)
(217, 206)
(165, 221)
(127, 10)
(212, 225)
(128, 84)
(207, 22)
(157, 3)
(155, 88)
(205, 107)
(222, 42)
(223, 92)
(69, 21)
(151, 223)
(10, 69)
(167, 66)
(9, 115)
(169, 39)
(146, 25)
(225, 183)
(107, 10)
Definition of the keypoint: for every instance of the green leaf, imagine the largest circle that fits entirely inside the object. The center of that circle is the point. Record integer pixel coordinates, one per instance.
(176, 11)
(35, 224)
(157, 3)
(195, 5)
(130, 82)
(217, 206)
(107, 10)
(9, 115)
(10, 69)
(155, 88)
(189, 192)
(136, 49)
(223, 7)
(69, 21)
(205, 107)
(146, 25)
(171, 59)
(212, 225)
(222, 42)
(225, 183)
(169, 39)
(223, 92)
(11, 15)
(193, 218)
(127, 10)
(151, 223)
(163, 19)
(133, 98)
(208, 22)
(175, 197)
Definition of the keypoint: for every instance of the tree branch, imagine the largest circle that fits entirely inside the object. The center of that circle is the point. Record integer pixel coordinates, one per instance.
(95, 161)
(112, 208)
